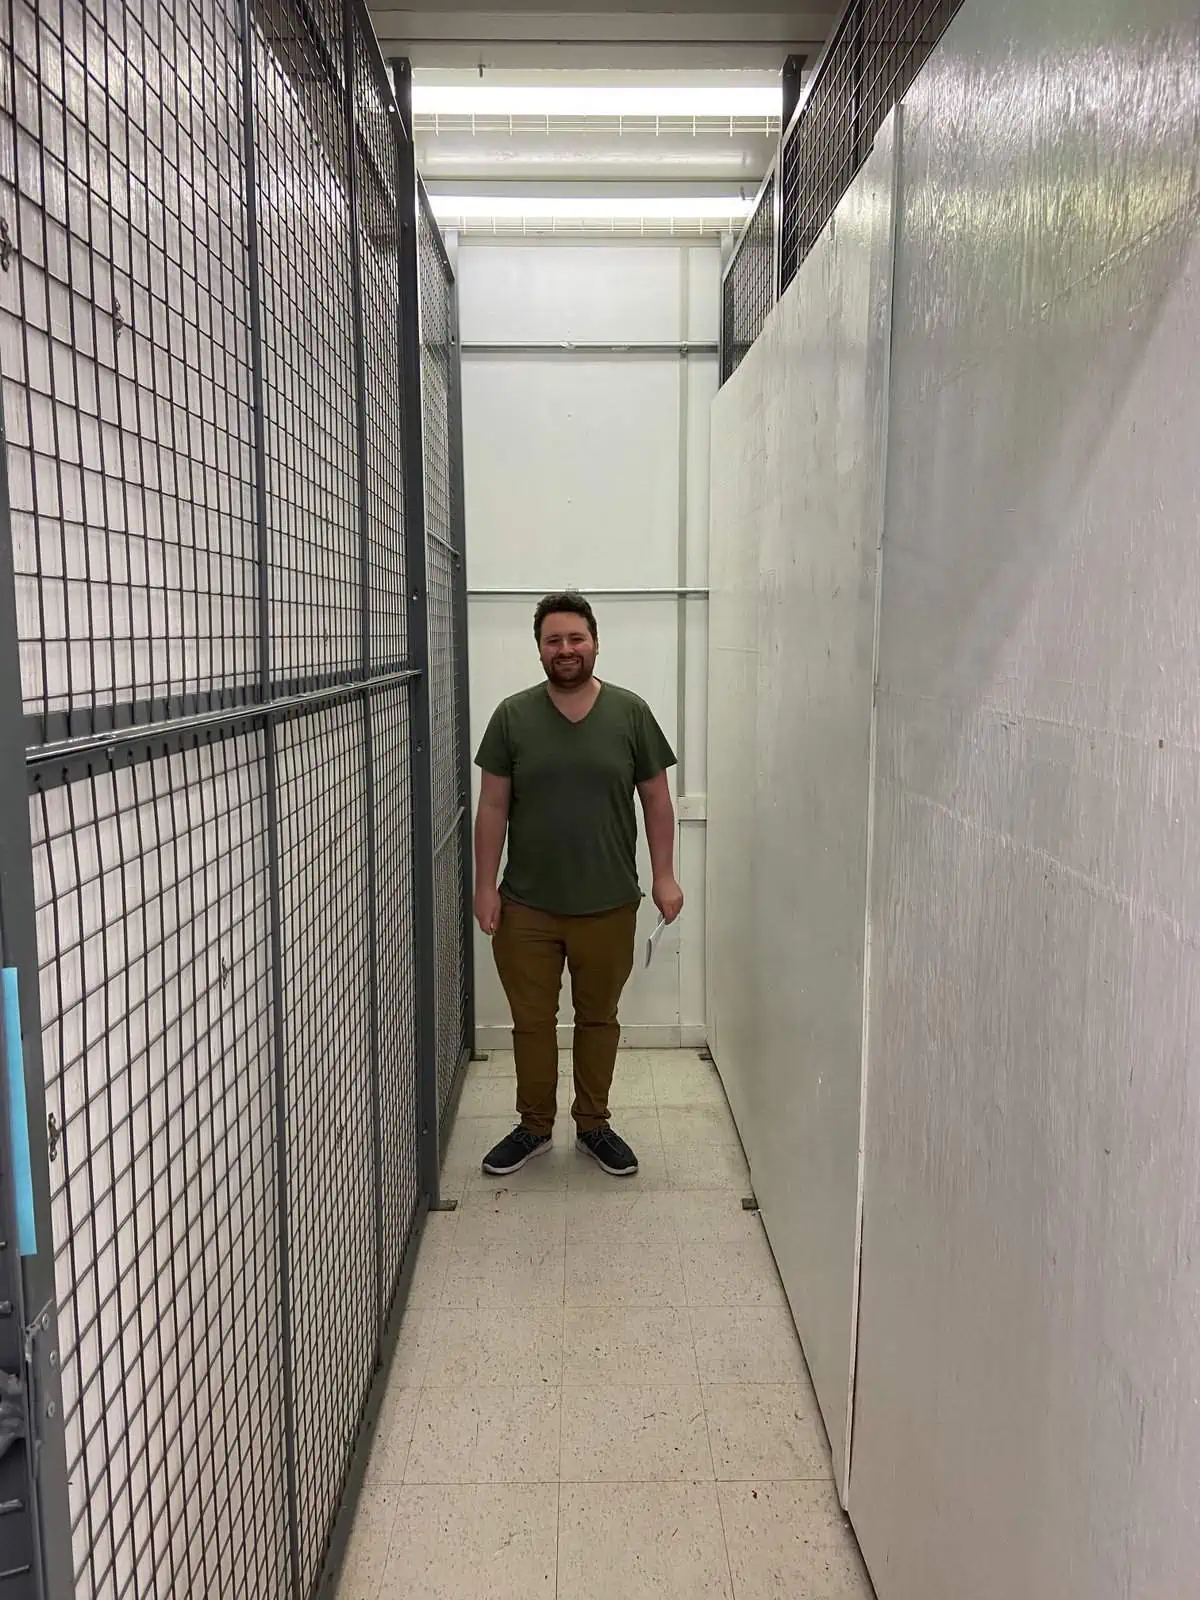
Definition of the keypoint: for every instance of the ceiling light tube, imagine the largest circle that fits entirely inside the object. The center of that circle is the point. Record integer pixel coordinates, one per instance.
(467, 208)
(495, 100)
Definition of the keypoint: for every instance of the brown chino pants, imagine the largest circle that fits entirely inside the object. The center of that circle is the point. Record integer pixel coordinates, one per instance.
(531, 950)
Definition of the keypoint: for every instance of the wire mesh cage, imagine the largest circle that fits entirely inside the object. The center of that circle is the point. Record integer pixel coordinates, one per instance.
(207, 552)
(748, 287)
(876, 51)
(154, 932)
(127, 363)
(444, 555)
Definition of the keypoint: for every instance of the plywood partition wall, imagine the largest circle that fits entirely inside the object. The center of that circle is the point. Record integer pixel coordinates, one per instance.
(1027, 1383)
(1029, 1374)
(796, 517)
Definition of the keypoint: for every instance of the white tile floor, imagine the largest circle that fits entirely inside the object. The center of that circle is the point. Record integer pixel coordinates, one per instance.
(598, 1390)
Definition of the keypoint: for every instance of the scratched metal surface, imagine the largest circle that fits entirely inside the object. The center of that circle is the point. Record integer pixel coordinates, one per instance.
(1028, 1410)
(800, 433)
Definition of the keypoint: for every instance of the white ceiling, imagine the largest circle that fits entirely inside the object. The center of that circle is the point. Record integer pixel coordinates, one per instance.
(661, 34)
(570, 42)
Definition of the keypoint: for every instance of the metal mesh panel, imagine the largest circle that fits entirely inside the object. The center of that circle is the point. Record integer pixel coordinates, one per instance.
(748, 290)
(393, 890)
(877, 51)
(125, 348)
(308, 321)
(152, 911)
(204, 379)
(377, 181)
(437, 355)
(331, 1183)
(448, 907)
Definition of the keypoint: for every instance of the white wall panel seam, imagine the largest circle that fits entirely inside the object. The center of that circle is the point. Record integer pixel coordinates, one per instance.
(897, 136)
(685, 271)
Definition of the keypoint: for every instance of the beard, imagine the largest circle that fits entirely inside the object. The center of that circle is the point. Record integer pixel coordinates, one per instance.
(570, 674)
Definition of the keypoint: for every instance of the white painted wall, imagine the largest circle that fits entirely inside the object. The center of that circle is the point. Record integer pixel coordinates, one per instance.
(1027, 1391)
(1028, 1410)
(591, 471)
(796, 518)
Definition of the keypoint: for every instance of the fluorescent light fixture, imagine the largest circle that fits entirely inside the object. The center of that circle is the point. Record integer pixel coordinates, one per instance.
(468, 208)
(488, 100)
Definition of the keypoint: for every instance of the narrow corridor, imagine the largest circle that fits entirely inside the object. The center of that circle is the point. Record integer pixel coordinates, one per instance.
(598, 1391)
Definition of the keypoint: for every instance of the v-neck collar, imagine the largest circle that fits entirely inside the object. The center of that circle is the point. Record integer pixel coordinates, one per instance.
(575, 722)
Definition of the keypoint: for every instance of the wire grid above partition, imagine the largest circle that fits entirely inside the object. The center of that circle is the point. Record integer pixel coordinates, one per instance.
(202, 381)
(444, 561)
(748, 287)
(876, 51)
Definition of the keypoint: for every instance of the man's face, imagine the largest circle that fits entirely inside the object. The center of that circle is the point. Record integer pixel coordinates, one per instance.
(567, 649)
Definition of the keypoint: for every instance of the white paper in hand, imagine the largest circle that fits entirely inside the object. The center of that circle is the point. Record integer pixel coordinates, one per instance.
(653, 939)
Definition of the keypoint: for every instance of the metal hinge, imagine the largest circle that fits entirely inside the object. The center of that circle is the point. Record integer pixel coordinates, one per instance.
(39, 1325)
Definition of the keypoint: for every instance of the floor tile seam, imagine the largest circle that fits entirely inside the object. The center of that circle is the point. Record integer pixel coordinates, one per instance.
(685, 1483)
(770, 1481)
(397, 1491)
(562, 1384)
(398, 1486)
(706, 1385)
(616, 1384)
(558, 1527)
(689, 1481)
(777, 1302)
(712, 1455)
(733, 1587)
(479, 1483)
(758, 1480)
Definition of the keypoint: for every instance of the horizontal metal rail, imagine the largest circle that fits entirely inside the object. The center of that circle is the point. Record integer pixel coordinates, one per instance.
(443, 544)
(672, 592)
(90, 745)
(449, 832)
(568, 347)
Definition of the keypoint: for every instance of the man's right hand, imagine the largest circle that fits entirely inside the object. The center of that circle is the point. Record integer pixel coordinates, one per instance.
(487, 910)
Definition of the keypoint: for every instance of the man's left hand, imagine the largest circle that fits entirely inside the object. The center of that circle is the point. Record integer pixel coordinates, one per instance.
(668, 897)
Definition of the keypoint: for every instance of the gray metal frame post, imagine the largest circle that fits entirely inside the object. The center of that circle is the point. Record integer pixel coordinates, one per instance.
(462, 674)
(270, 788)
(35, 1526)
(721, 357)
(419, 723)
(364, 560)
(789, 82)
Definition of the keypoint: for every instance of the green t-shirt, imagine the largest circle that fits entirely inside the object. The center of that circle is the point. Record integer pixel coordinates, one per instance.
(572, 829)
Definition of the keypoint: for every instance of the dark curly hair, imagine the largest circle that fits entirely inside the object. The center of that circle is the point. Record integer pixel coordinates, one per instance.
(573, 604)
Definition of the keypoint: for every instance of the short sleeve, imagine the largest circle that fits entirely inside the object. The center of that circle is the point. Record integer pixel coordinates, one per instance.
(652, 753)
(495, 751)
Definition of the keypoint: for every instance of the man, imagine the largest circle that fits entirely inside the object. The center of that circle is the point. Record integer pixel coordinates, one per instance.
(560, 763)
